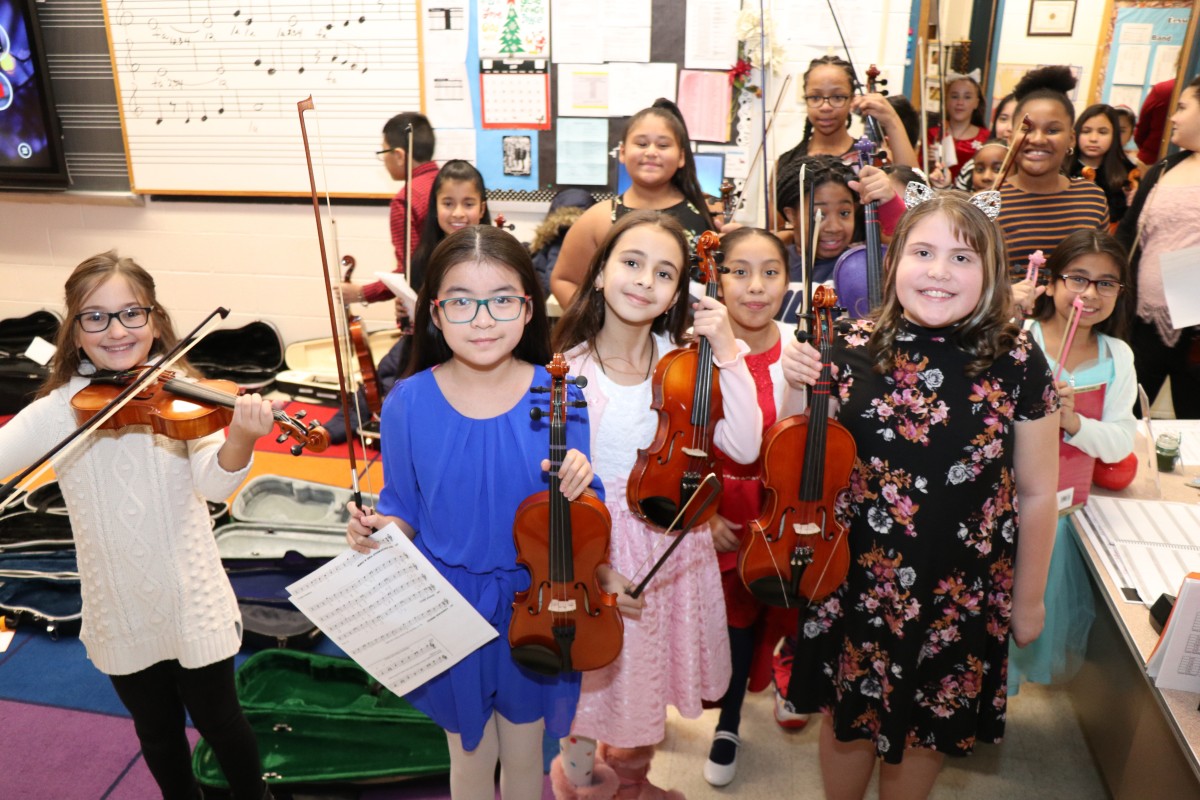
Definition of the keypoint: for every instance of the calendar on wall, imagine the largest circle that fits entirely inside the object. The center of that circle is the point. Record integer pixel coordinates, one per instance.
(514, 94)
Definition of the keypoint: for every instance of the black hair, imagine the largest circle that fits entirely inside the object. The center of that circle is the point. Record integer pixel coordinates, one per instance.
(1114, 166)
(908, 115)
(996, 113)
(395, 133)
(481, 244)
(801, 149)
(905, 175)
(432, 233)
(684, 179)
(1082, 242)
(1048, 83)
(819, 170)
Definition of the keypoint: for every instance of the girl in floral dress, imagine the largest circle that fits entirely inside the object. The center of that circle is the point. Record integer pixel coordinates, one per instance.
(952, 410)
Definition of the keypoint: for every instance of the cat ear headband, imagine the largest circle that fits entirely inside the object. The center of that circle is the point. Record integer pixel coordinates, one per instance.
(974, 75)
(988, 202)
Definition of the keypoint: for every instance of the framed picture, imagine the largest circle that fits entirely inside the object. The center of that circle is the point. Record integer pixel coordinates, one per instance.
(1051, 18)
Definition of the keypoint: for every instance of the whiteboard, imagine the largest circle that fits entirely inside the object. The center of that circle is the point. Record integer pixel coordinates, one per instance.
(208, 90)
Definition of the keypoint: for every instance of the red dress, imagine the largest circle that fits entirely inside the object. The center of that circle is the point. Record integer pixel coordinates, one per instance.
(964, 149)
(741, 503)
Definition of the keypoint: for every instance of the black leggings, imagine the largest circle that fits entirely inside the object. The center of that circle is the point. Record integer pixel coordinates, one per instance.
(158, 697)
(1155, 361)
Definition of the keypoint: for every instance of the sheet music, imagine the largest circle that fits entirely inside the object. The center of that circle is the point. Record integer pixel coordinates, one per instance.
(1146, 546)
(392, 612)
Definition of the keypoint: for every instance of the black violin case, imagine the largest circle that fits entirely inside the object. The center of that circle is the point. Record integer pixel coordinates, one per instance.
(282, 529)
(21, 377)
(250, 356)
(323, 720)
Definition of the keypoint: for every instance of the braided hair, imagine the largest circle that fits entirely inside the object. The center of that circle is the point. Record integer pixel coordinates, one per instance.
(818, 171)
(802, 148)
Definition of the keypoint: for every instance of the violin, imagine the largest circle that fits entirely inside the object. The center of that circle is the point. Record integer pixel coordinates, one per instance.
(797, 548)
(184, 410)
(849, 283)
(564, 621)
(729, 203)
(362, 349)
(688, 401)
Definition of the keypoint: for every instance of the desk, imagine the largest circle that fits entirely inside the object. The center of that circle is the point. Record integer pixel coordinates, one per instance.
(1145, 740)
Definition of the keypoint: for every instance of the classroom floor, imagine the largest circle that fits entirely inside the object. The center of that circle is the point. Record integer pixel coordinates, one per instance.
(64, 735)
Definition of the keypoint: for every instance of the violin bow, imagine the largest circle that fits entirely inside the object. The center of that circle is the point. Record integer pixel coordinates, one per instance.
(343, 390)
(9, 493)
(408, 221)
(870, 124)
(704, 496)
(1011, 156)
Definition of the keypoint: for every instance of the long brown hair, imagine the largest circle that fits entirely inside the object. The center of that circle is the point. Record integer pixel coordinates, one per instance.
(480, 244)
(986, 332)
(584, 317)
(83, 281)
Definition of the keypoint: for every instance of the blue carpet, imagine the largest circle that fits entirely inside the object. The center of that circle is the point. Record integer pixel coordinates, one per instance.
(38, 669)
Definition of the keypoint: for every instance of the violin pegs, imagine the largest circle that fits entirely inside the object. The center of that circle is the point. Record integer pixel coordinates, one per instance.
(297, 449)
(578, 380)
(540, 389)
(803, 336)
(719, 256)
(301, 414)
(283, 437)
(536, 413)
(578, 404)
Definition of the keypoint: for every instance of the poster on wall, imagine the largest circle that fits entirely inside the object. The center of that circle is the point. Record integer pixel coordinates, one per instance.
(1144, 50)
(514, 28)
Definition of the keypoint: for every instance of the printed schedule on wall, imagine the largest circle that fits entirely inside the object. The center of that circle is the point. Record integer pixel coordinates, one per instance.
(208, 92)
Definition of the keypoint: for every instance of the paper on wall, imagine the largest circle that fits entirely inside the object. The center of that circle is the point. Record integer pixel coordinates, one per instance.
(581, 148)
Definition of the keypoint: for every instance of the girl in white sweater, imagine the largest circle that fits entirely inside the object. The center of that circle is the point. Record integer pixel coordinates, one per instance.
(159, 616)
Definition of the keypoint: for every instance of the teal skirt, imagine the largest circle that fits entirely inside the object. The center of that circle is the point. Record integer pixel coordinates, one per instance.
(1056, 655)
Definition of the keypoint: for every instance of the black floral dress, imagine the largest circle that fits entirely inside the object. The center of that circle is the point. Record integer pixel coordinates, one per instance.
(912, 650)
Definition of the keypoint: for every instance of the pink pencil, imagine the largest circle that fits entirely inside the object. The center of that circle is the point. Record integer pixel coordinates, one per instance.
(1037, 260)
(1076, 313)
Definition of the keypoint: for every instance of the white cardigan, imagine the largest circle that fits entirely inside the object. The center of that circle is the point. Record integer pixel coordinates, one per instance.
(152, 582)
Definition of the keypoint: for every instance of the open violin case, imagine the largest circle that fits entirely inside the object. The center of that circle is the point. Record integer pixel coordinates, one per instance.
(282, 529)
(20, 377)
(311, 367)
(250, 356)
(320, 720)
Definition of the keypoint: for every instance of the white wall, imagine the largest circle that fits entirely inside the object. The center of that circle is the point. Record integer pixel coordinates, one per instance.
(1077, 50)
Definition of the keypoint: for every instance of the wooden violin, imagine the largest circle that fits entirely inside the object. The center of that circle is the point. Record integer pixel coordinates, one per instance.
(687, 398)
(797, 548)
(362, 349)
(184, 410)
(564, 621)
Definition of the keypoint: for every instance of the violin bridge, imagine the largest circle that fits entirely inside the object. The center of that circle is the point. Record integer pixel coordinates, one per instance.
(560, 606)
(806, 529)
(692, 452)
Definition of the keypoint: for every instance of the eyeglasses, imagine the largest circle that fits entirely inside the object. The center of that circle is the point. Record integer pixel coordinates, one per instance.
(1079, 284)
(98, 321)
(834, 100)
(382, 154)
(503, 308)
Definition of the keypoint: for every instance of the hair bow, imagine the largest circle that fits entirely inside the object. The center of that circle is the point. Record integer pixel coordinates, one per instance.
(988, 202)
(973, 75)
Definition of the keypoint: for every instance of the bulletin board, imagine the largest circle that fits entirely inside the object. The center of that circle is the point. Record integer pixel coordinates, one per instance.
(1144, 41)
(208, 91)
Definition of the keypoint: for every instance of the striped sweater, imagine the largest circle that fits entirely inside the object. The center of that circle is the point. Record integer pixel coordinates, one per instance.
(1032, 222)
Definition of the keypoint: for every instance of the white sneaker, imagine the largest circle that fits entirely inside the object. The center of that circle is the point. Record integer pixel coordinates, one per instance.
(786, 715)
(722, 774)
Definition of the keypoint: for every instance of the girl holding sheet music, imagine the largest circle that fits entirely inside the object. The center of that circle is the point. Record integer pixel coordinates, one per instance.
(1164, 219)
(1097, 391)
(460, 455)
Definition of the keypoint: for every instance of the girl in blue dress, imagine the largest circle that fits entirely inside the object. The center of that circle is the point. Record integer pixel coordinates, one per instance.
(1097, 389)
(460, 452)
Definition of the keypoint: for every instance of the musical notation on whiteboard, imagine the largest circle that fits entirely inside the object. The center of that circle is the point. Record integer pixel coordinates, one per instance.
(392, 612)
(208, 90)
